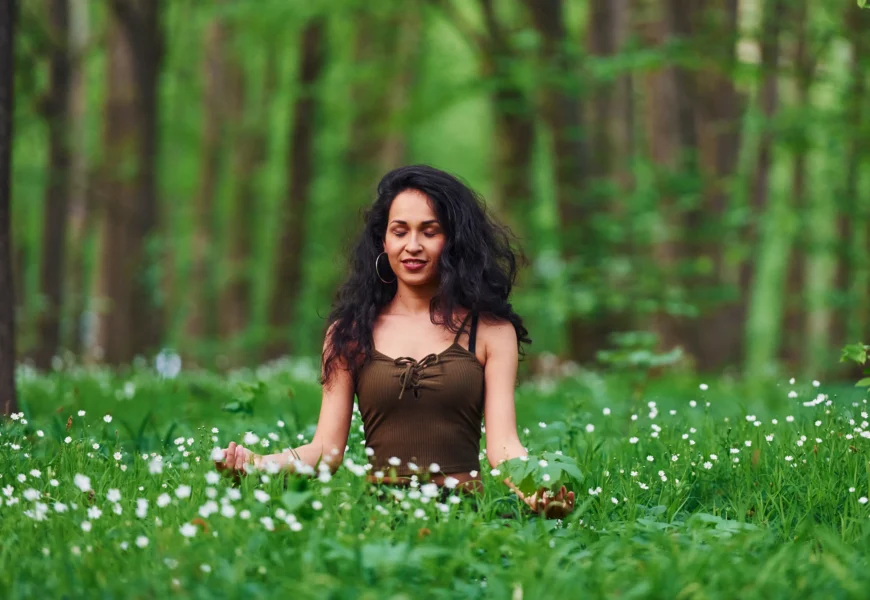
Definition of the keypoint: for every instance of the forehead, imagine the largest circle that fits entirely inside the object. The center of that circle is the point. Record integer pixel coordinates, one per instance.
(413, 207)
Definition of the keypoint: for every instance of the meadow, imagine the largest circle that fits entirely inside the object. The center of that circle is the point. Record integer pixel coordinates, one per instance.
(690, 489)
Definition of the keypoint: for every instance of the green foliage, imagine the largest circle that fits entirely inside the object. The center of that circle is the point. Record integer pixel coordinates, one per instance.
(244, 403)
(635, 355)
(857, 353)
(548, 470)
(640, 528)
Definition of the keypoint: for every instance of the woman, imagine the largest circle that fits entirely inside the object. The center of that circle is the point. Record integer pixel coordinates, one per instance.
(430, 267)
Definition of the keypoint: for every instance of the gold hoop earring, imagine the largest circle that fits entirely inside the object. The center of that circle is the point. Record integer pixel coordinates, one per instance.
(379, 273)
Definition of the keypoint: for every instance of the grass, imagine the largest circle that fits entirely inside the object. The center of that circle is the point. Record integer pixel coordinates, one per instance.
(747, 523)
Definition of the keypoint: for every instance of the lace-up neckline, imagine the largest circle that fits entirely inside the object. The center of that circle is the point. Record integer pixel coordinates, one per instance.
(413, 371)
(413, 368)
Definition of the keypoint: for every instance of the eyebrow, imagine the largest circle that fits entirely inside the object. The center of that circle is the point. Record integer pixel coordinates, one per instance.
(400, 222)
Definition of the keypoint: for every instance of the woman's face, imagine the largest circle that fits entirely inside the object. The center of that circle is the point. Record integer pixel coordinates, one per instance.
(414, 239)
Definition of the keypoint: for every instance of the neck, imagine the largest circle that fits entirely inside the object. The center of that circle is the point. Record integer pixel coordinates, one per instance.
(412, 300)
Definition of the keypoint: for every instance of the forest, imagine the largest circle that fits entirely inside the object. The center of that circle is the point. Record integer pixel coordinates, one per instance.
(188, 175)
(182, 181)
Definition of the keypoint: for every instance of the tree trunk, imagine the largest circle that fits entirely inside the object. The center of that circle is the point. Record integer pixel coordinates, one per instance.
(80, 212)
(581, 205)
(8, 397)
(250, 130)
(300, 174)
(383, 51)
(131, 323)
(664, 137)
(202, 308)
(514, 127)
(714, 109)
(57, 113)
(852, 273)
(795, 316)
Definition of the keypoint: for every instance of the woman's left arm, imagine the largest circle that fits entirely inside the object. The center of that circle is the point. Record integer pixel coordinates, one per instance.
(502, 441)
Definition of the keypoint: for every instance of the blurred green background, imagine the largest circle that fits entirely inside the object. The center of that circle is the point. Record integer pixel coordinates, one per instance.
(189, 174)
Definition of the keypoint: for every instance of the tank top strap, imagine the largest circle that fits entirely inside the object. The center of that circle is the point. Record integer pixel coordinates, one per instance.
(472, 334)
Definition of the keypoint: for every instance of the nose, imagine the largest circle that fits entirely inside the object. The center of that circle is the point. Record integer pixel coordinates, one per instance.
(414, 243)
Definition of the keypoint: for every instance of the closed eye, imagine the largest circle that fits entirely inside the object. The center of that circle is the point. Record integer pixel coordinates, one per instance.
(427, 234)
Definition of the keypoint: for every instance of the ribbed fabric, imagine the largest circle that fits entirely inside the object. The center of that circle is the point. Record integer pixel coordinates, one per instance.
(424, 412)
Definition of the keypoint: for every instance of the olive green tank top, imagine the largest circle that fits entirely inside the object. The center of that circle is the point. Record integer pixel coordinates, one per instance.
(426, 411)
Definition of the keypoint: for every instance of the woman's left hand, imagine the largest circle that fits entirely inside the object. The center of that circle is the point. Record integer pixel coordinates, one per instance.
(552, 506)
(237, 460)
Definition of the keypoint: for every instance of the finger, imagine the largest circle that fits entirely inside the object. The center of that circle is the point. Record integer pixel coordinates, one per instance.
(236, 455)
(543, 500)
(241, 454)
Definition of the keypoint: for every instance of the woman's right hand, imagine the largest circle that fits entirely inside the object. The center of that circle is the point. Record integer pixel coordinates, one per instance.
(237, 459)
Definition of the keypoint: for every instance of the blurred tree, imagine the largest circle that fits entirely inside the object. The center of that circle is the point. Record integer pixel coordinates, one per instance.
(805, 61)
(130, 322)
(81, 219)
(202, 293)
(664, 135)
(580, 210)
(383, 52)
(760, 292)
(249, 128)
(8, 397)
(514, 115)
(56, 111)
(714, 111)
(854, 211)
(287, 281)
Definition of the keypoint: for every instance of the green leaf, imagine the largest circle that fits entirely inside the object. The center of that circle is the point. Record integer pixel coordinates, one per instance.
(293, 500)
(854, 352)
(863, 382)
(862, 3)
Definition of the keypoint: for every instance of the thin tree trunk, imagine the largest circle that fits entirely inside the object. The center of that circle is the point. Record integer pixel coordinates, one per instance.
(132, 323)
(514, 126)
(300, 173)
(250, 129)
(57, 113)
(80, 213)
(714, 108)
(8, 396)
(202, 315)
(795, 319)
(375, 50)
(580, 204)
(850, 321)
(663, 137)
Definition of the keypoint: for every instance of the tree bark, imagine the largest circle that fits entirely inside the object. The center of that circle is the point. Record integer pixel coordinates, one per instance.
(664, 138)
(57, 114)
(300, 174)
(383, 51)
(850, 323)
(249, 128)
(582, 203)
(514, 125)
(80, 210)
(8, 396)
(716, 110)
(795, 318)
(132, 323)
(202, 307)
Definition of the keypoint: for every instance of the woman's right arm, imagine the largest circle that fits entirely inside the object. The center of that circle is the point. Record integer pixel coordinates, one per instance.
(330, 436)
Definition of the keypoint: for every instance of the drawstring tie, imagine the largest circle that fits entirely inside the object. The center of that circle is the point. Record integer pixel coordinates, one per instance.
(412, 372)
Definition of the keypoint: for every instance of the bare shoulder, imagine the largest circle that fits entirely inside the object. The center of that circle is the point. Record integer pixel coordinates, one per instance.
(498, 335)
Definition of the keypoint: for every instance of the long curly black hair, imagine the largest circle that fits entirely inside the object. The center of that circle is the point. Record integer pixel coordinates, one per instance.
(477, 267)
